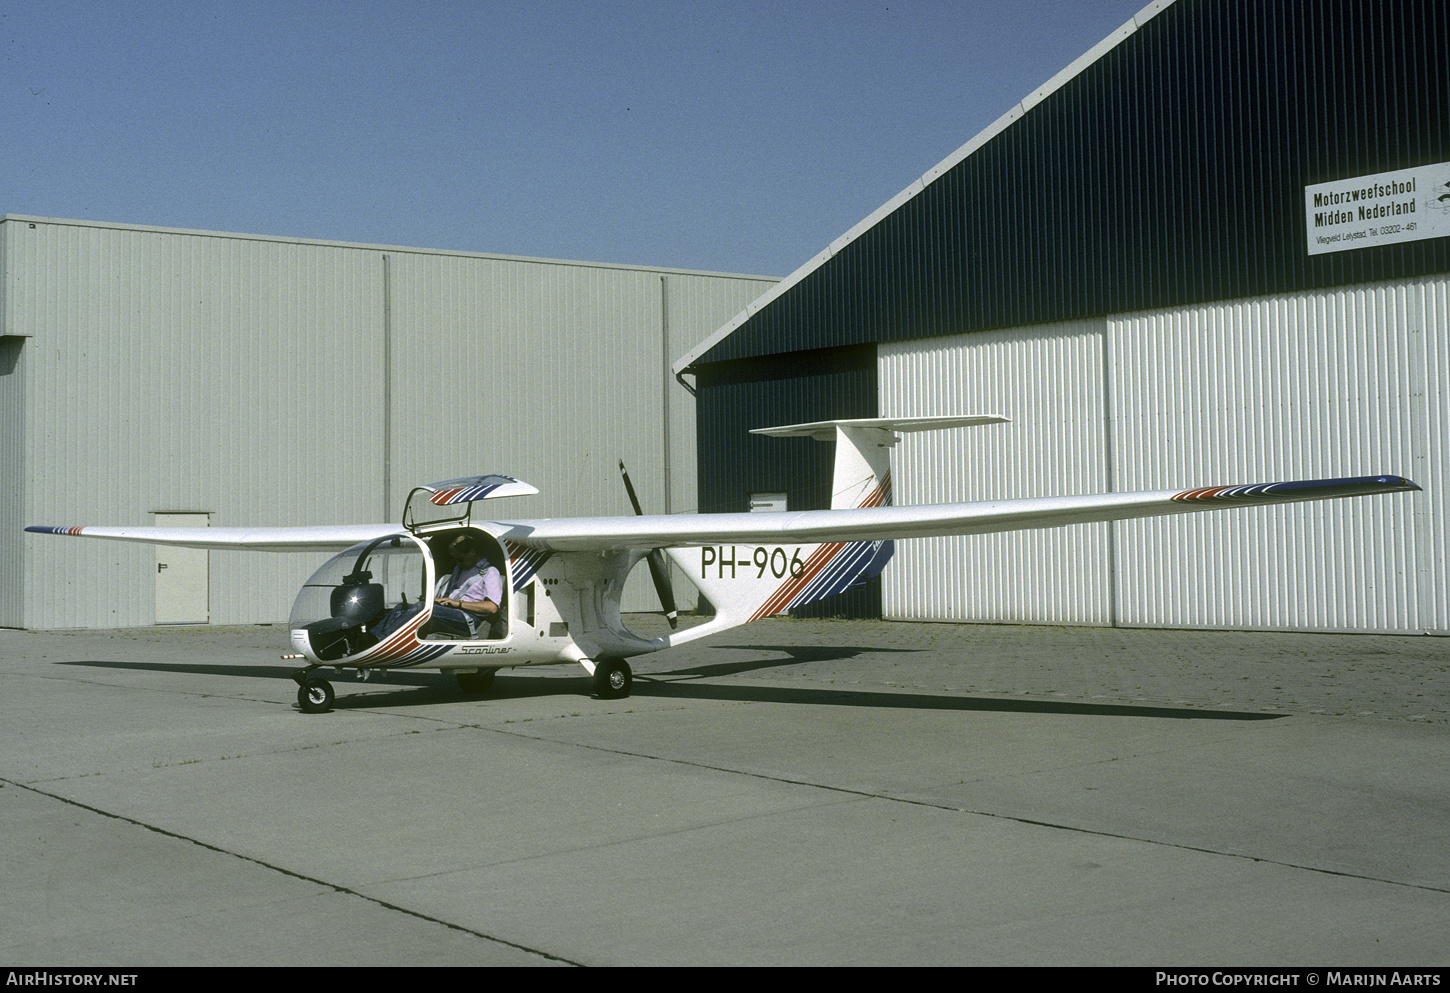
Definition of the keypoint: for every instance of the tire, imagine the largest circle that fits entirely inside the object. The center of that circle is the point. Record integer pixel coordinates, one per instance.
(315, 696)
(475, 682)
(613, 679)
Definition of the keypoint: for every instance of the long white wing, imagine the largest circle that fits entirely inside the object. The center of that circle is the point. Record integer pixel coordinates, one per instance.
(880, 523)
(876, 523)
(294, 539)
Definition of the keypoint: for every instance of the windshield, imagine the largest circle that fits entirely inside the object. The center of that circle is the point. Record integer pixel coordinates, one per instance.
(357, 587)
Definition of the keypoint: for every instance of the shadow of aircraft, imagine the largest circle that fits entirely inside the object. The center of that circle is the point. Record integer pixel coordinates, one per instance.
(888, 699)
(795, 654)
(425, 688)
(259, 671)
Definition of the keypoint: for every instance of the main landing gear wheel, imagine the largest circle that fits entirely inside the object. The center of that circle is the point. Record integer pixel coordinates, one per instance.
(475, 682)
(315, 696)
(613, 679)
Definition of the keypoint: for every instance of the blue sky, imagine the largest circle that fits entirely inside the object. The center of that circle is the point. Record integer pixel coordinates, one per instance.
(723, 136)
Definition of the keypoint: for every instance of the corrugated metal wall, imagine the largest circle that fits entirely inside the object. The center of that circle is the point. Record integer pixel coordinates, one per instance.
(1167, 172)
(1344, 382)
(244, 377)
(477, 385)
(1350, 381)
(171, 372)
(12, 468)
(12, 453)
(739, 396)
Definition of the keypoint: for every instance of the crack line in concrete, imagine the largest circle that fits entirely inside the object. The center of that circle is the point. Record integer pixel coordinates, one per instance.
(982, 813)
(288, 872)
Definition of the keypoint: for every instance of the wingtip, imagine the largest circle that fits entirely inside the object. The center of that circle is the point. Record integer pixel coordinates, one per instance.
(1394, 482)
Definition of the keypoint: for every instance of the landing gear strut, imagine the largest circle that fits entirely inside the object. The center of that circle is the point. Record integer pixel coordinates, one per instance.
(612, 679)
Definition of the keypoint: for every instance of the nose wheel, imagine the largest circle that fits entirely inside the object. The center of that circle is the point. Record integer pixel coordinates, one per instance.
(314, 695)
(612, 679)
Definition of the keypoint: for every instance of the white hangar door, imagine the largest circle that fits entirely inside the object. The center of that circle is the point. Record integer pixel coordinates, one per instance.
(1049, 381)
(182, 575)
(1347, 381)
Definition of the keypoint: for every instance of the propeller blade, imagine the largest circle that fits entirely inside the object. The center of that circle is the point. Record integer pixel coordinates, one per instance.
(629, 488)
(659, 569)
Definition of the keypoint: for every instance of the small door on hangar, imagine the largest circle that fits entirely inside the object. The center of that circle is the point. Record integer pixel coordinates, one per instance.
(182, 575)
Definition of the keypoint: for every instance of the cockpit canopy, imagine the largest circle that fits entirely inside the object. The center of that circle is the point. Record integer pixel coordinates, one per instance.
(452, 500)
(342, 610)
(355, 587)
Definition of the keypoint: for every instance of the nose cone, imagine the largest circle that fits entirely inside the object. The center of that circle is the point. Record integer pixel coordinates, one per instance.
(302, 643)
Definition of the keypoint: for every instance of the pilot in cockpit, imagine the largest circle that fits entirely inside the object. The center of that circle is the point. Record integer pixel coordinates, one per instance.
(468, 599)
(464, 601)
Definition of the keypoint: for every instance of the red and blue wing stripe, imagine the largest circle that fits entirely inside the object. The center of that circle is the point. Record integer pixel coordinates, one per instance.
(460, 494)
(1307, 489)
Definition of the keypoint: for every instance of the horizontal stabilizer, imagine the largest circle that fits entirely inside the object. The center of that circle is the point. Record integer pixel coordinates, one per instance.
(826, 430)
(862, 474)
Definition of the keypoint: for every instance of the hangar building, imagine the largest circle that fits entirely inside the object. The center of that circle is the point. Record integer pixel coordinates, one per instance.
(190, 377)
(1215, 249)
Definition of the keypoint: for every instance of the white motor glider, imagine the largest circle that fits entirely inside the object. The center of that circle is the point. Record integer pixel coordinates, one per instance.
(562, 579)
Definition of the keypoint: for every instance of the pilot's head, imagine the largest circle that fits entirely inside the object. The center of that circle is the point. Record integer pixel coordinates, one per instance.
(465, 549)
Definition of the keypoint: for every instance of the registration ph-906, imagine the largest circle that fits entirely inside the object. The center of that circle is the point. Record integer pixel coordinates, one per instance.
(779, 562)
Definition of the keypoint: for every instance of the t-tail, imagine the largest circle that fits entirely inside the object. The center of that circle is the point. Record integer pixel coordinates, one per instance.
(749, 582)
